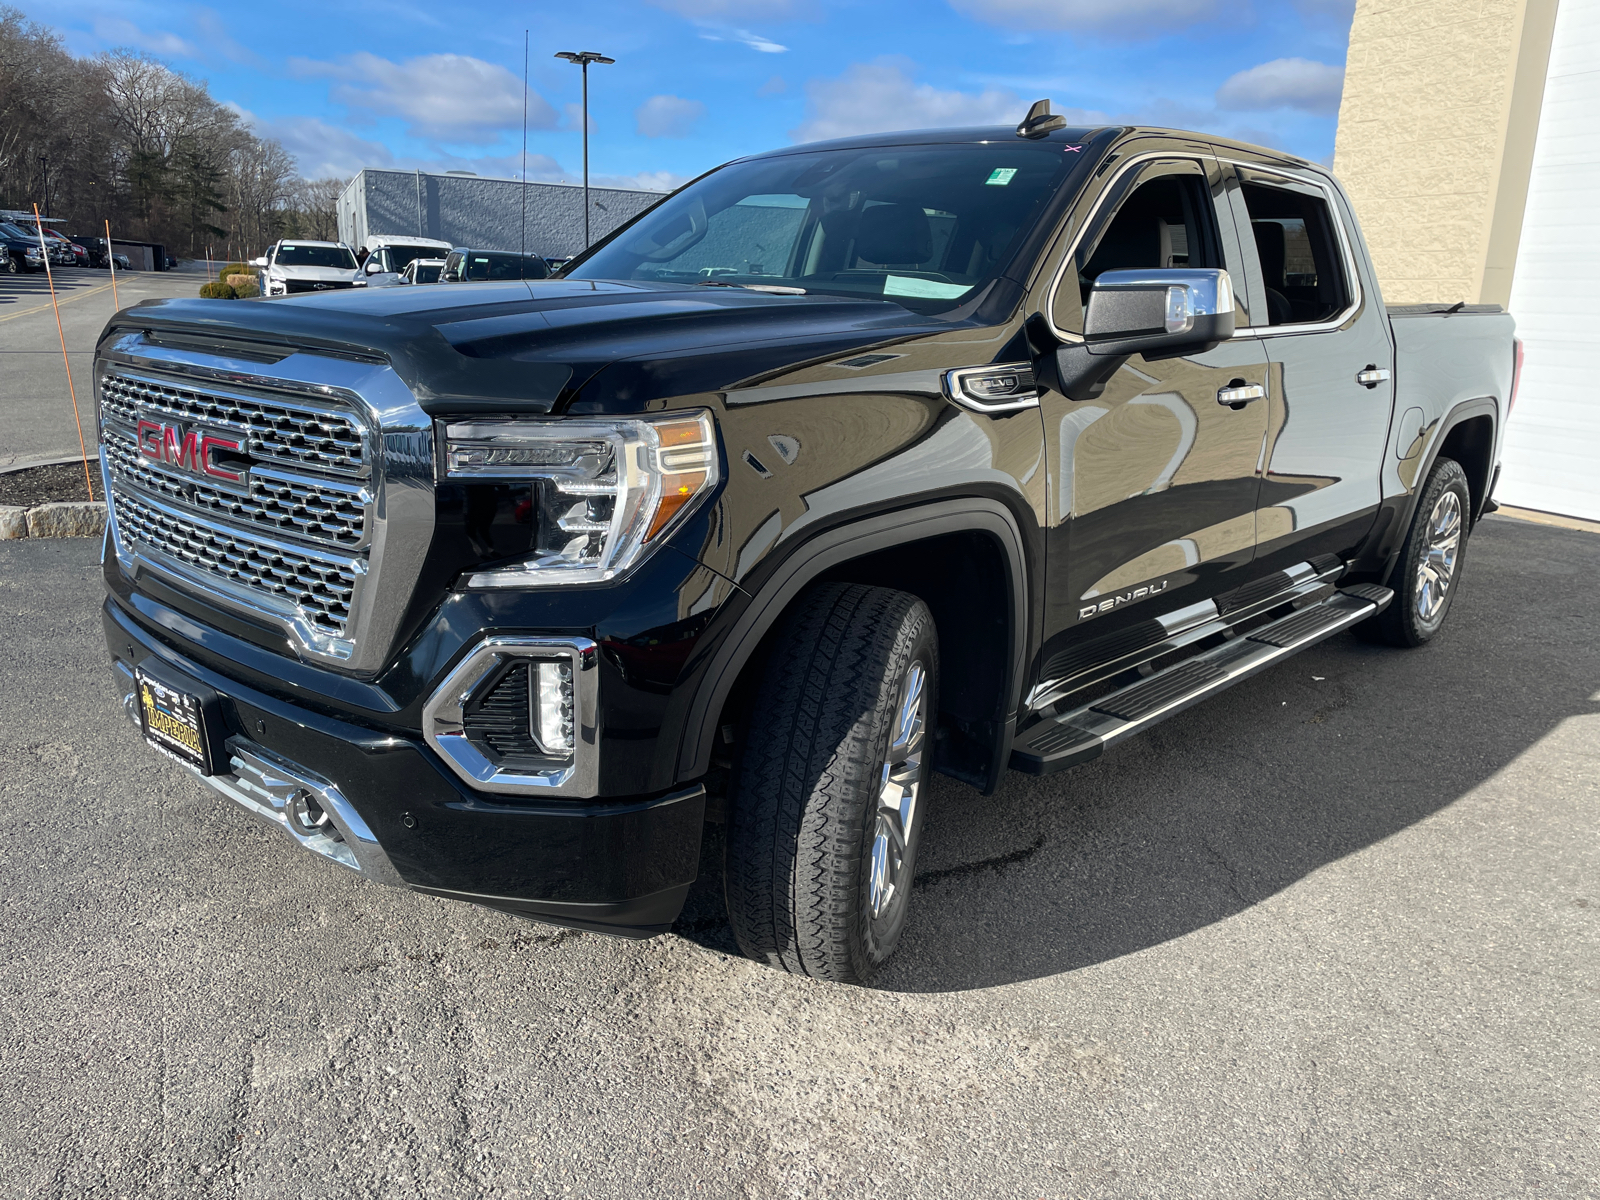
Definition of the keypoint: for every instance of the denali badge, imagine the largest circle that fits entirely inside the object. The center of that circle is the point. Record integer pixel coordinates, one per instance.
(189, 450)
(1110, 602)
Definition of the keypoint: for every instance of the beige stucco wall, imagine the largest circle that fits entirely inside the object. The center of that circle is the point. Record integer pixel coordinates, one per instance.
(1436, 132)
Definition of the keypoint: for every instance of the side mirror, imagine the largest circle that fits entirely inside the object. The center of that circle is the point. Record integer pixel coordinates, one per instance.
(1157, 313)
(374, 266)
(259, 262)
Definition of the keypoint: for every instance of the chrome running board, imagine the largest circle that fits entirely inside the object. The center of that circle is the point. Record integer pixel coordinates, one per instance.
(1084, 733)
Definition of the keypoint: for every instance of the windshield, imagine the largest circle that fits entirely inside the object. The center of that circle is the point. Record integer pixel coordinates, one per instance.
(338, 257)
(506, 266)
(921, 225)
(427, 272)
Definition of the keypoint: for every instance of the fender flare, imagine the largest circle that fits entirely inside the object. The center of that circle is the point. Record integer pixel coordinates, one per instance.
(1465, 410)
(828, 549)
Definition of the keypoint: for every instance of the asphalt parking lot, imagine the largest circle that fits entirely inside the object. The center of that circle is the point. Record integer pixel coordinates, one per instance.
(1332, 935)
(35, 404)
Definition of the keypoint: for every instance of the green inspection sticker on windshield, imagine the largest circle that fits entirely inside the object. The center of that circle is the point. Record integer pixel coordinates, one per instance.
(1001, 176)
(924, 289)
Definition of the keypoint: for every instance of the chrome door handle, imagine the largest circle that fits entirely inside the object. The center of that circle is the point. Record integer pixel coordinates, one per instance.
(1239, 393)
(1372, 376)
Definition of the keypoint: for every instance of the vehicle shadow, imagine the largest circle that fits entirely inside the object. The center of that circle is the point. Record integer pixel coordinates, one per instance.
(30, 289)
(1239, 798)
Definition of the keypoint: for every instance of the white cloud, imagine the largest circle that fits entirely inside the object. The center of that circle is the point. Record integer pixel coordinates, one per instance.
(880, 96)
(647, 181)
(216, 40)
(1312, 87)
(773, 86)
(1147, 18)
(114, 31)
(726, 33)
(450, 97)
(667, 116)
(572, 118)
(322, 151)
(742, 10)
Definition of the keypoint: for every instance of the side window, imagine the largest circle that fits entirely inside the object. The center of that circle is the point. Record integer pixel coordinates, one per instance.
(1298, 248)
(1166, 220)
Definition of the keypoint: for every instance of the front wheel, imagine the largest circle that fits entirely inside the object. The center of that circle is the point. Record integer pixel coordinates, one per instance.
(1429, 568)
(828, 800)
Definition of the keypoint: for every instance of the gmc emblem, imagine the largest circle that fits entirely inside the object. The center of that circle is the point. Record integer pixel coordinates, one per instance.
(188, 450)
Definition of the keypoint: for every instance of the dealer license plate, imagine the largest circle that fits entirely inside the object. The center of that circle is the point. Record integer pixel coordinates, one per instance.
(172, 721)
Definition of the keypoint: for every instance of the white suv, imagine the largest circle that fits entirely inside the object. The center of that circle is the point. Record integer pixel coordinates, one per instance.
(292, 265)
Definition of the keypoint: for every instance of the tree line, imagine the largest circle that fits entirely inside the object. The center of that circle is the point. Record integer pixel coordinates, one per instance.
(122, 136)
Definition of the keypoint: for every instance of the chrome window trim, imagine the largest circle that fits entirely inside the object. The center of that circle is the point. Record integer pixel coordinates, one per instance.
(400, 477)
(1352, 276)
(1137, 160)
(444, 727)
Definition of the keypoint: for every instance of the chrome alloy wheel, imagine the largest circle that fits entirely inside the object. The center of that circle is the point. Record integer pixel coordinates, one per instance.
(1437, 568)
(900, 785)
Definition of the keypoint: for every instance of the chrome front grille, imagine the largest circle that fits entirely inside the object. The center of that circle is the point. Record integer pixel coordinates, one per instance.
(323, 511)
(295, 490)
(321, 586)
(297, 432)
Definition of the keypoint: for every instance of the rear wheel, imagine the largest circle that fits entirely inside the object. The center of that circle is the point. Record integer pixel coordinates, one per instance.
(1429, 568)
(828, 799)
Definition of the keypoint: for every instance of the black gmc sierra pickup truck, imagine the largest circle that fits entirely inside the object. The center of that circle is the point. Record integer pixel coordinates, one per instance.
(938, 451)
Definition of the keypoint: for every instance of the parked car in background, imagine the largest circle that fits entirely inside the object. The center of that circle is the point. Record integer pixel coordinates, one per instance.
(122, 261)
(292, 266)
(558, 261)
(388, 257)
(422, 270)
(492, 266)
(80, 252)
(24, 251)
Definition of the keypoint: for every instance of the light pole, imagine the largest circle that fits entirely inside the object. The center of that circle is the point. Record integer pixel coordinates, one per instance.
(583, 58)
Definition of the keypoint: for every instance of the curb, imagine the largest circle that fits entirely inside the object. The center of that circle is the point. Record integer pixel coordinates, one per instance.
(70, 518)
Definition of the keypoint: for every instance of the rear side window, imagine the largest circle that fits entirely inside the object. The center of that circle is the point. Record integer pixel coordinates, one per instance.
(1298, 248)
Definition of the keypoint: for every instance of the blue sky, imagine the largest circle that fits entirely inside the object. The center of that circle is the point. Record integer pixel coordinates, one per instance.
(409, 83)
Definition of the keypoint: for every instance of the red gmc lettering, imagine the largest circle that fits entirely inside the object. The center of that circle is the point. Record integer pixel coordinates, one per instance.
(190, 451)
(207, 445)
(186, 455)
(150, 439)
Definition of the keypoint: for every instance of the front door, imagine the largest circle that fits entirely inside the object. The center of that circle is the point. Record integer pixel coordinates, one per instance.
(1155, 483)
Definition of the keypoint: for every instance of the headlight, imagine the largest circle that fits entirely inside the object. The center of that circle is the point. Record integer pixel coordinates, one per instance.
(606, 491)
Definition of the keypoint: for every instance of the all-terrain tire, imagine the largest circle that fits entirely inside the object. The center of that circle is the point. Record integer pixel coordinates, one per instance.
(806, 834)
(1423, 588)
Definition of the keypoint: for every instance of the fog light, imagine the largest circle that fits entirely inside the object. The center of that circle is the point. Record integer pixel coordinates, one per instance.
(552, 706)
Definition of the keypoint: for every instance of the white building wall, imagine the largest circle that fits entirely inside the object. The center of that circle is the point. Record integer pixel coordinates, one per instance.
(1552, 453)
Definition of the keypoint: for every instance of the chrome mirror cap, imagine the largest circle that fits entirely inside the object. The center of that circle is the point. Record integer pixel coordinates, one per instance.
(1177, 309)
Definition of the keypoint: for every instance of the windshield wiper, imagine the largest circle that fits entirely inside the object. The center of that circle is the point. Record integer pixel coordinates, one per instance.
(775, 288)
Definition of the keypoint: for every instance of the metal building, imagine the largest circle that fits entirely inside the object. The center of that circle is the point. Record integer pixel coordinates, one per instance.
(486, 214)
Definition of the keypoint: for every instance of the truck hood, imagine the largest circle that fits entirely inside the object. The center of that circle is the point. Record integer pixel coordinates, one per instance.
(314, 274)
(538, 345)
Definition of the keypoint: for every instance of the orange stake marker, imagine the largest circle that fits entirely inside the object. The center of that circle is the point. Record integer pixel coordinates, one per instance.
(111, 261)
(49, 275)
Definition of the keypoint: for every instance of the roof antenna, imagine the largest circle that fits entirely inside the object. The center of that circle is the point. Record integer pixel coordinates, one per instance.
(1039, 122)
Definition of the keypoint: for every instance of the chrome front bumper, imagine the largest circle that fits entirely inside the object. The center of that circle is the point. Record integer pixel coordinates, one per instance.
(285, 795)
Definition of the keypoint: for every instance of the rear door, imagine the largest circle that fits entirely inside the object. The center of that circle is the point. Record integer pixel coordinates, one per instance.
(1154, 485)
(1327, 340)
